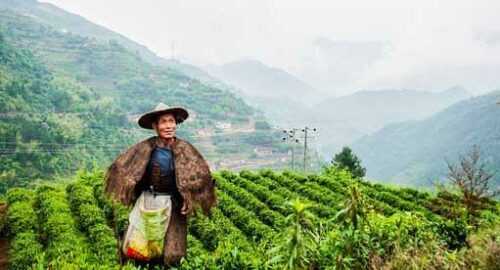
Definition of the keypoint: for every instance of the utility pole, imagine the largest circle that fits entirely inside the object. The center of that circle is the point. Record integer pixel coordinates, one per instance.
(290, 137)
(305, 130)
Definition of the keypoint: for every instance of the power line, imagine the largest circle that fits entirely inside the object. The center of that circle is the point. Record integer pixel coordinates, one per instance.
(111, 146)
(231, 134)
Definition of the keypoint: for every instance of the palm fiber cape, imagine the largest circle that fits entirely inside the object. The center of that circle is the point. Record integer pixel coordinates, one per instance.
(193, 178)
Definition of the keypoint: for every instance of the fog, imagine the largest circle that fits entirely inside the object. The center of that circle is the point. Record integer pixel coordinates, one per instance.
(337, 47)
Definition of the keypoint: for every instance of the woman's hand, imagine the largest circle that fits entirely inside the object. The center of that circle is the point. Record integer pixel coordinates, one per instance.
(186, 207)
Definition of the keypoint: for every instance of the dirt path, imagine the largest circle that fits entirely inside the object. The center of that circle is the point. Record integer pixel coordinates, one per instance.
(4, 244)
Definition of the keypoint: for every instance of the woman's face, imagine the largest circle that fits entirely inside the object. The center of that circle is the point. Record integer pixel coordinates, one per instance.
(165, 126)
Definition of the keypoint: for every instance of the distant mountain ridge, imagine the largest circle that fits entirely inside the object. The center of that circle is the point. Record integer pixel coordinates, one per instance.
(344, 119)
(389, 105)
(414, 152)
(255, 79)
(280, 96)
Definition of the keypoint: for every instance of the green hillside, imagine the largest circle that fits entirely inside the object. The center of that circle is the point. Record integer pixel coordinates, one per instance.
(70, 101)
(36, 138)
(134, 84)
(50, 15)
(59, 19)
(413, 153)
(264, 220)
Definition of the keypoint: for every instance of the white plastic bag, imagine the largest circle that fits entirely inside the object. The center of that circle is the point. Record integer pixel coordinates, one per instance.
(148, 223)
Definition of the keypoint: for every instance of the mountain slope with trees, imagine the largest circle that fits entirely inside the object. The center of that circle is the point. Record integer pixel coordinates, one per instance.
(343, 120)
(81, 96)
(415, 152)
(61, 20)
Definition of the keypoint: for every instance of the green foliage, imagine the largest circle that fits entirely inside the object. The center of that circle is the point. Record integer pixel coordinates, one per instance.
(346, 159)
(246, 220)
(295, 246)
(213, 231)
(354, 210)
(22, 223)
(66, 248)
(324, 206)
(349, 245)
(26, 252)
(248, 229)
(92, 220)
(483, 253)
(230, 256)
(19, 195)
(21, 217)
(454, 232)
(251, 203)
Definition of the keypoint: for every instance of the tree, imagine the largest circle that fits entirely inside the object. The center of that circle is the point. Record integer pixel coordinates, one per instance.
(473, 180)
(346, 159)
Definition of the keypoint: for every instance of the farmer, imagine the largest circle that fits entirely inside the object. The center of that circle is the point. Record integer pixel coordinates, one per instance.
(167, 164)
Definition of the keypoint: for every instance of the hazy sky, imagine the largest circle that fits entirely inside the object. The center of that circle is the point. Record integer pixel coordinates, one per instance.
(431, 45)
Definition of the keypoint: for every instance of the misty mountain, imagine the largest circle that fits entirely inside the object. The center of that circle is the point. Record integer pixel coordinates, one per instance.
(257, 80)
(281, 97)
(333, 65)
(197, 73)
(415, 152)
(371, 110)
(344, 119)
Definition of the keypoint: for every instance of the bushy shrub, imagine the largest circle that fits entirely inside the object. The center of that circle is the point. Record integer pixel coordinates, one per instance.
(375, 240)
(66, 248)
(92, 221)
(19, 195)
(453, 232)
(21, 218)
(26, 252)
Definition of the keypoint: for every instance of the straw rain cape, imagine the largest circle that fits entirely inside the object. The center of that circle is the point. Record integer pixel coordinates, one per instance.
(193, 178)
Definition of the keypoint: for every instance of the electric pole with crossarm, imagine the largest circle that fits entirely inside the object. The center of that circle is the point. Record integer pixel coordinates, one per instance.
(290, 137)
(306, 130)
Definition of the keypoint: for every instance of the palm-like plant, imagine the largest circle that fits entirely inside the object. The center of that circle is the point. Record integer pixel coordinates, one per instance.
(348, 244)
(295, 243)
(354, 210)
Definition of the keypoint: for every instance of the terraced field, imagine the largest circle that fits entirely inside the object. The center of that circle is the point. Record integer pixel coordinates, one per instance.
(74, 226)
